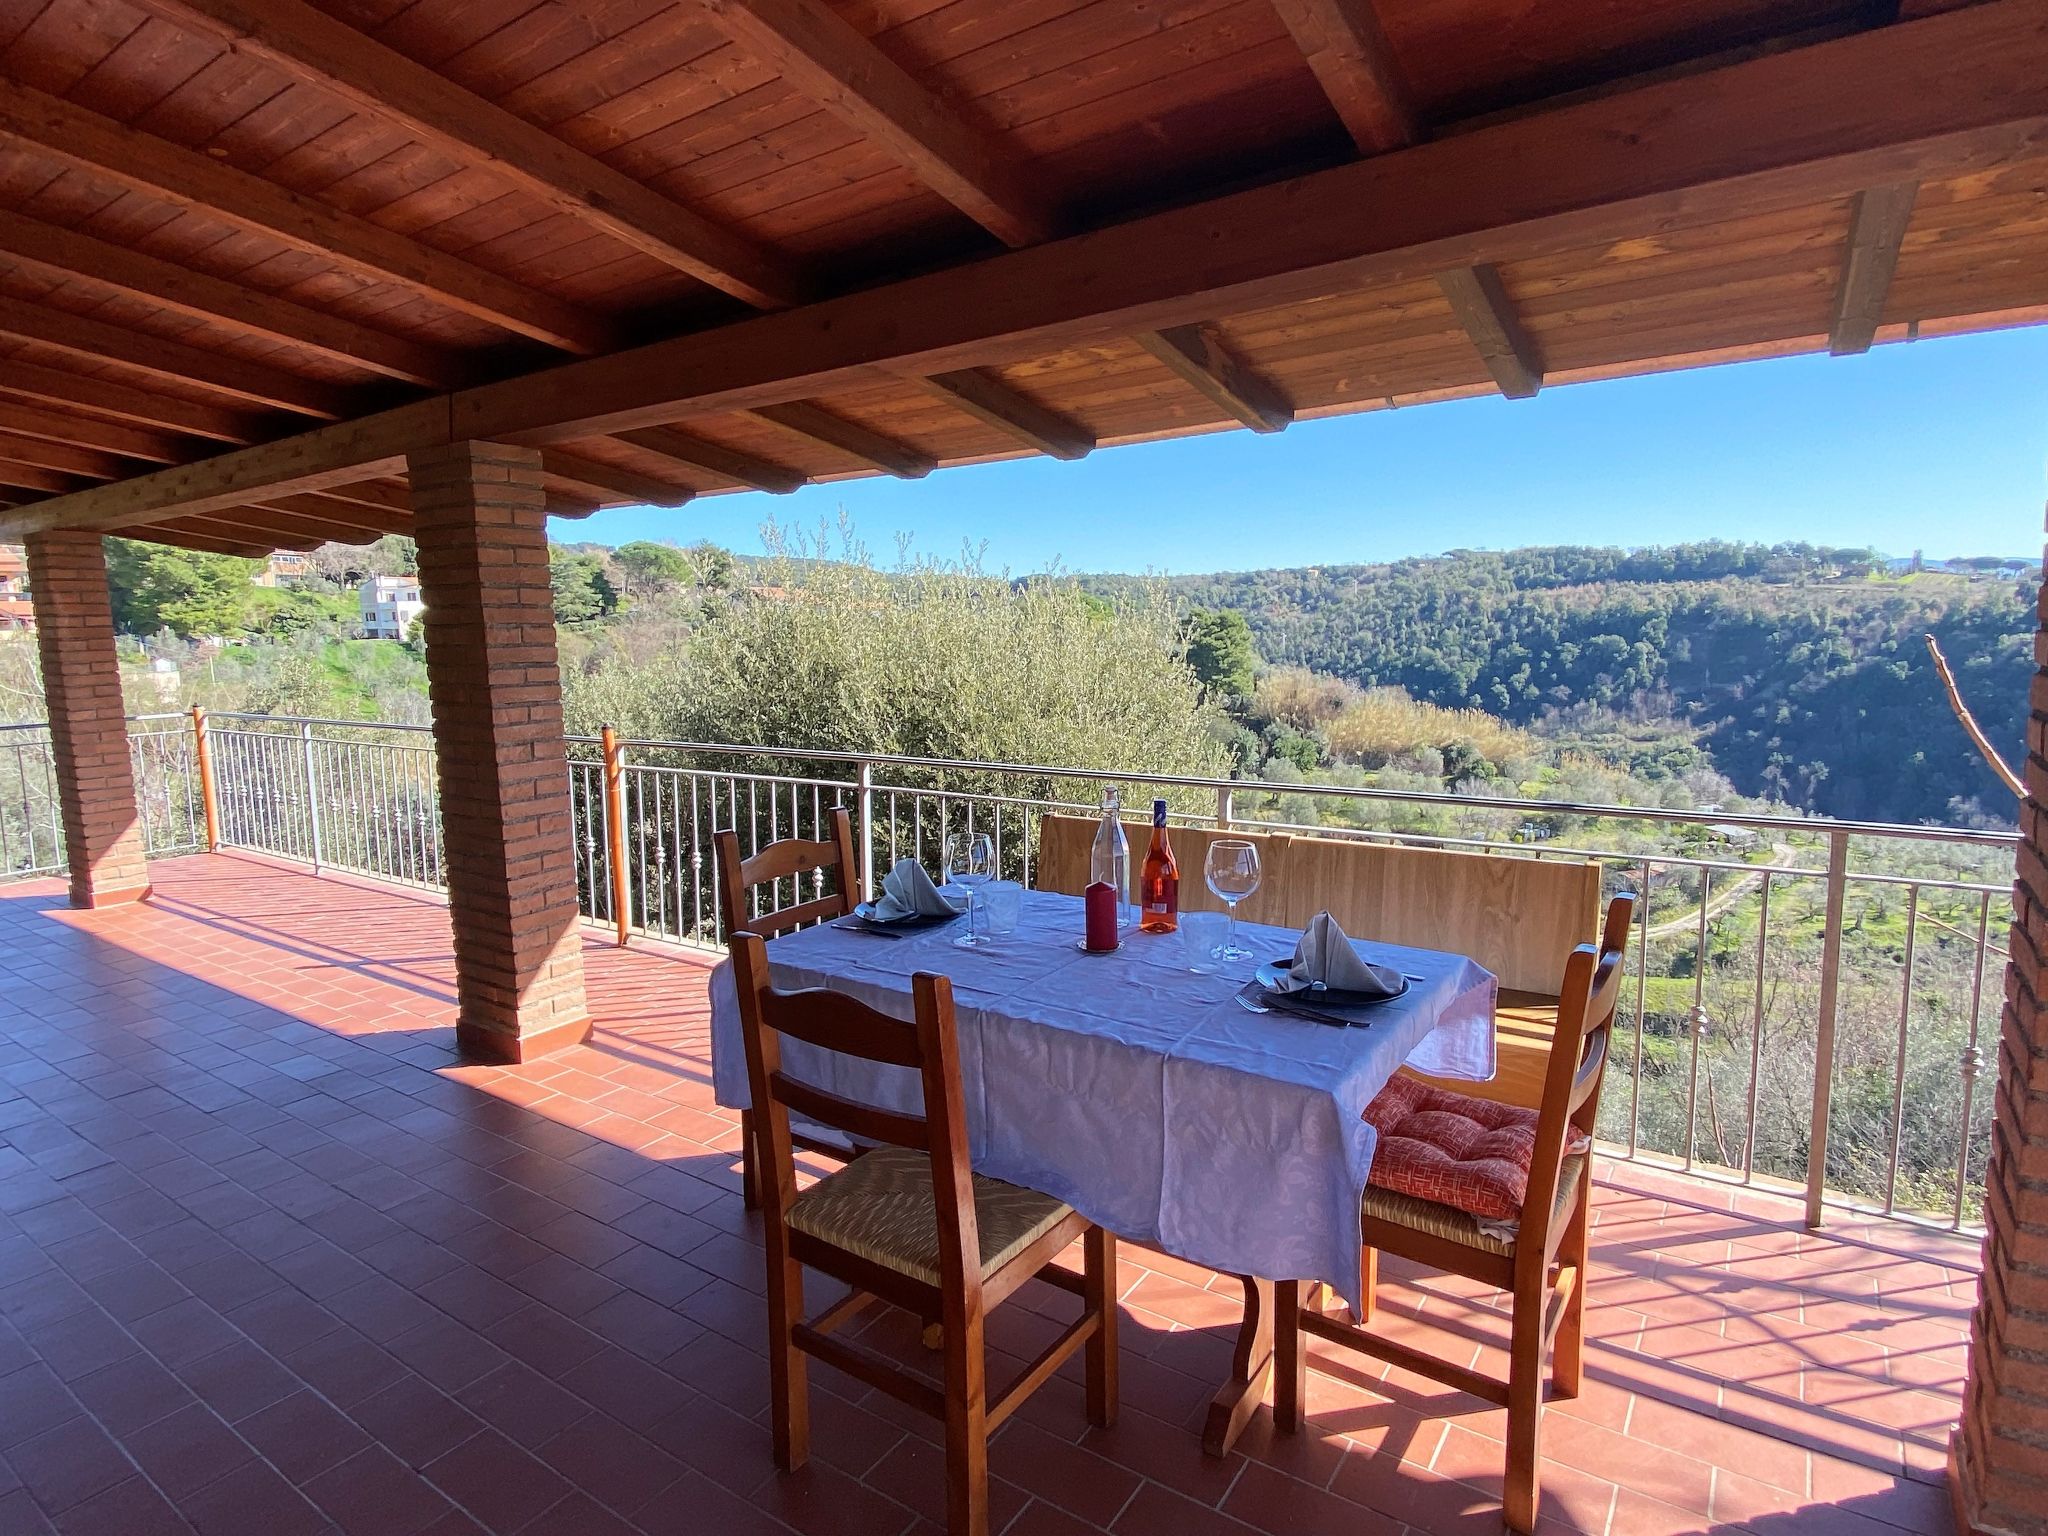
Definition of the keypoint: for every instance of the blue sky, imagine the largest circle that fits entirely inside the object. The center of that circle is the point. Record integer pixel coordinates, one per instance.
(1939, 445)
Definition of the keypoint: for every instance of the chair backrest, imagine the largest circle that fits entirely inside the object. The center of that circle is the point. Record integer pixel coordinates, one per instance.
(833, 1021)
(1577, 1067)
(1513, 915)
(790, 859)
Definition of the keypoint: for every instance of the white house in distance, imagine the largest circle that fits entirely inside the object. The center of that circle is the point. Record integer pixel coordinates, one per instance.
(390, 604)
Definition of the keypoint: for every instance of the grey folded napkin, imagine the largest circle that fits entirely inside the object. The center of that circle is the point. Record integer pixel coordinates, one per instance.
(1325, 958)
(908, 892)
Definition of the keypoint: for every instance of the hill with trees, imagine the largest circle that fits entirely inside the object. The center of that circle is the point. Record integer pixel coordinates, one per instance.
(1800, 671)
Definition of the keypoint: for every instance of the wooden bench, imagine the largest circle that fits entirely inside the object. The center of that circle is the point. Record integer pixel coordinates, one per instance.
(1518, 917)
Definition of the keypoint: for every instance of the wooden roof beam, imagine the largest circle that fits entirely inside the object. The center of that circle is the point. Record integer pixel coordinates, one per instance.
(808, 421)
(349, 514)
(91, 432)
(1774, 133)
(1197, 355)
(271, 518)
(66, 458)
(608, 482)
(1347, 50)
(68, 256)
(172, 360)
(827, 59)
(220, 536)
(1877, 227)
(31, 477)
(756, 474)
(124, 402)
(187, 179)
(332, 57)
(389, 495)
(988, 399)
(1488, 316)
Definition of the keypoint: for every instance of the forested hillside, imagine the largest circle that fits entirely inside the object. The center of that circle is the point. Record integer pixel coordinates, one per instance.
(1803, 669)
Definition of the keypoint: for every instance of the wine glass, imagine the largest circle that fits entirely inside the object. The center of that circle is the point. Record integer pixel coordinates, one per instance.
(1232, 870)
(971, 861)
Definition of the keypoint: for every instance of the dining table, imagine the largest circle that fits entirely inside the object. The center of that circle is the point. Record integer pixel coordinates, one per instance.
(1143, 1092)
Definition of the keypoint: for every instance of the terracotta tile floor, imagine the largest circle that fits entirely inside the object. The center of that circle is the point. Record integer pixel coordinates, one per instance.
(272, 1261)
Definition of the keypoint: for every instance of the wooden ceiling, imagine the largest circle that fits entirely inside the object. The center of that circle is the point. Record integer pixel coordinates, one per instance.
(254, 251)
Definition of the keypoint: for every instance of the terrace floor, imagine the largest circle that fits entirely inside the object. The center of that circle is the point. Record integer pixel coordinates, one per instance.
(272, 1260)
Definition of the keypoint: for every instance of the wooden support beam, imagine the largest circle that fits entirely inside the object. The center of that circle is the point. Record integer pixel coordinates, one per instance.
(388, 86)
(207, 534)
(1488, 316)
(726, 463)
(820, 426)
(66, 255)
(66, 458)
(1198, 356)
(185, 178)
(389, 495)
(1346, 48)
(608, 482)
(1877, 226)
(989, 399)
(92, 432)
(341, 514)
(1952, 95)
(125, 402)
(269, 520)
(827, 59)
(172, 360)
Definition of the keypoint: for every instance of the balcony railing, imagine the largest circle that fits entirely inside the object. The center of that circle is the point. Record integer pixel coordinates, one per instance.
(1810, 1002)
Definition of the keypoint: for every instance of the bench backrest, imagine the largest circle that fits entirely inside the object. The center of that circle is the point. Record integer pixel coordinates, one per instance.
(1518, 917)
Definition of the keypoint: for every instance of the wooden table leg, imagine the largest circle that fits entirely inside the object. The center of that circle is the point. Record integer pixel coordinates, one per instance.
(1290, 1355)
(1250, 1367)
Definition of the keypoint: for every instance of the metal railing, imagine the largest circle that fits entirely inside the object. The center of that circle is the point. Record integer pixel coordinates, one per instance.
(167, 799)
(1809, 1002)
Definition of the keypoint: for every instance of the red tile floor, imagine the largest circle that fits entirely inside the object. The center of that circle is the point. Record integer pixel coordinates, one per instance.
(272, 1261)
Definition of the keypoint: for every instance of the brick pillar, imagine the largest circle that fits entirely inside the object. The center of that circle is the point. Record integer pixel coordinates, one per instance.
(67, 574)
(1998, 1461)
(491, 672)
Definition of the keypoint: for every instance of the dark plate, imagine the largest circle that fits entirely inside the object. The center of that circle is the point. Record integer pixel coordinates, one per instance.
(863, 916)
(1318, 996)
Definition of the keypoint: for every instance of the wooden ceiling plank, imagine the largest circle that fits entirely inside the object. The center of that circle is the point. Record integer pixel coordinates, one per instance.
(1877, 225)
(609, 481)
(385, 495)
(727, 463)
(110, 397)
(270, 520)
(66, 254)
(1488, 315)
(989, 400)
(821, 426)
(66, 458)
(1198, 356)
(830, 61)
(1952, 95)
(348, 514)
(332, 57)
(162, 170)
(91, 432)
(173, 360)
(1348, 53)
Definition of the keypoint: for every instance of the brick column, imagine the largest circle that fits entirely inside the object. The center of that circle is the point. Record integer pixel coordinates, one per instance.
(1998, 1461)
(67, 574)
(491, 672)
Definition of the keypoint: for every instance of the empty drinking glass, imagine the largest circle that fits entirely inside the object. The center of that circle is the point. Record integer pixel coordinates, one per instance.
(971, 861)
(1232, 870)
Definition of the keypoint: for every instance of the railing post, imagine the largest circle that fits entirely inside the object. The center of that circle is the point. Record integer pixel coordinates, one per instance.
(1226, 811)
(312, 789)
(615, 831)
(1824, 1037)
(202, 763)
(865, 808)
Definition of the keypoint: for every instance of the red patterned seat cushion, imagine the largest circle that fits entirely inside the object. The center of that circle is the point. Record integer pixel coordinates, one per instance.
(1470, 1154)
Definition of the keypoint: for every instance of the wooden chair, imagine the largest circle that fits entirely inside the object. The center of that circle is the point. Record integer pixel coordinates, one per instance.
(1543, 1267)
(792, 858)
(910, 1223)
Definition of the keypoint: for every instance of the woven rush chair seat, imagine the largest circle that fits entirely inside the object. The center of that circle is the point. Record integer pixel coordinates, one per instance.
(1462, 1227)
(881, 1207)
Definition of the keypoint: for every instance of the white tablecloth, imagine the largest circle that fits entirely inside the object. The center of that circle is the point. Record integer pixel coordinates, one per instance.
(1138, 1092)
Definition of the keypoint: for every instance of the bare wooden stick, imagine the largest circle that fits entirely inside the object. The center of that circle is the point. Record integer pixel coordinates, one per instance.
(1976, 731)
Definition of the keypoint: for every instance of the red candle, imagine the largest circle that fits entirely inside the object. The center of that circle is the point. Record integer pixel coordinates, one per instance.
(1099, 903)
